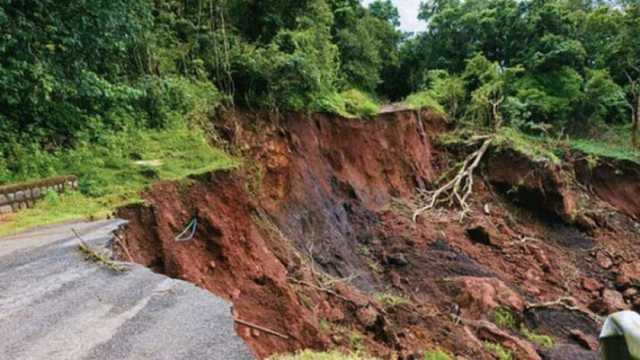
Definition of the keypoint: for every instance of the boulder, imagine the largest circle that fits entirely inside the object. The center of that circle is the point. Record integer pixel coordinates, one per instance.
(628, 273)
(523, 350)
(586, 341)
(611, 301)
(591, 284)
(479, 295)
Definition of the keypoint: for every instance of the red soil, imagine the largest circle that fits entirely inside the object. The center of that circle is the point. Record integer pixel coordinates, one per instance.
(325, 195)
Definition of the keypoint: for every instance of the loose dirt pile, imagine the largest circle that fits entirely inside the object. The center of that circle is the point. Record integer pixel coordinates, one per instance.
(313, 239)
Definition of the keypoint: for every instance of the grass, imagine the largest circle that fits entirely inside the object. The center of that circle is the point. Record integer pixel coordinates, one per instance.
(436, 355)
(329, 355)
(498, 350)
(113, 172)
(540, 340)
(612, 142)
(532, 146)
(504, 318)
(389, 299)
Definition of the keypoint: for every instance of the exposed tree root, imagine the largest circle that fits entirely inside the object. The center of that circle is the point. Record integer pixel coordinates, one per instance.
(460, 187)
(567, 303)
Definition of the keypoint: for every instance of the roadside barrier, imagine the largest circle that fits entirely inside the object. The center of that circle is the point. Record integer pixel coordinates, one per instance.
(16, 197)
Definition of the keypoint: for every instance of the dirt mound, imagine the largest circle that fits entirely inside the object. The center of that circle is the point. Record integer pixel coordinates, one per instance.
(312, 238)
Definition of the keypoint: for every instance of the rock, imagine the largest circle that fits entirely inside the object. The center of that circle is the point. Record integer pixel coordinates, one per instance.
(478, 295)
(603, 259)
(522, 349)
(397, 259)
(568, 352)
(586, 341)
(367, 316)
(628, 273)
(591, 284)
(630, 292)
(212, 264)
(611, 301)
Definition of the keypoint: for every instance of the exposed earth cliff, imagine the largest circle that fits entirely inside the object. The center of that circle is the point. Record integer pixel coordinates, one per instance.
(313, 238)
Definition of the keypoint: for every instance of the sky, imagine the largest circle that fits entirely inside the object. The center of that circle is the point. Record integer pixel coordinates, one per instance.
(408, 14)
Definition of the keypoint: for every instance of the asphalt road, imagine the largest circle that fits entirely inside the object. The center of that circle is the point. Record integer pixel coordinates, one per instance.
(56, 305)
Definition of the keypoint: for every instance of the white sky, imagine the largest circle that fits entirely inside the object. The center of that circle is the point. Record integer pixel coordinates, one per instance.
(408, 14)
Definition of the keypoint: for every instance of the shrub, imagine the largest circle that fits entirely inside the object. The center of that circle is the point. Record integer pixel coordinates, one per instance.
(350, 104)
(423, 99)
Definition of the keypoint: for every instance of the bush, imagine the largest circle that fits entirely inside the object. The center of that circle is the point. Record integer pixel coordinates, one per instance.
(423, 99)
(351, 104)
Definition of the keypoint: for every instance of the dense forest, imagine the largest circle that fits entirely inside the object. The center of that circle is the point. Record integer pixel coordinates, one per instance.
(77, 72)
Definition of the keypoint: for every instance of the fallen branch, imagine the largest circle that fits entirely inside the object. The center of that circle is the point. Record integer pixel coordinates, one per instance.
(460, 187)
(97, 256)
(328, 291)
(261, 328)
(567, 303)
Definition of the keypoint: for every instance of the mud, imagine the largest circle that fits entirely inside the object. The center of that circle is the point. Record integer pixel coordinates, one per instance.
(312, 237)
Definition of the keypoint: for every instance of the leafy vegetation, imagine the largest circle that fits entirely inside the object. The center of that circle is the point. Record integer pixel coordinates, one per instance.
(331, 355)
(113, 172)
(77, 92)
(390, 299)
(436, 355)
(540, 340)
(504, 318)
(500, 352)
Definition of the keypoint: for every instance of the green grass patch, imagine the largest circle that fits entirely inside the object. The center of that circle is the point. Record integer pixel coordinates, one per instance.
(540, 340)
(421, 100)
(600, 148)
(498, 350)
(390, 299)
(350, 104)
(436, 355)
(504, 318)
(532, 146)
(328, 355)
(113, 172)
(612, 142)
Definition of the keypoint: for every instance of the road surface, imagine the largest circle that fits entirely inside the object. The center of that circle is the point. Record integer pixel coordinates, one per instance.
(56, 305)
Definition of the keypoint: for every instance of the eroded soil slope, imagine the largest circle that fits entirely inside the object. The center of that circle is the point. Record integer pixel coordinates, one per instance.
(313, 239)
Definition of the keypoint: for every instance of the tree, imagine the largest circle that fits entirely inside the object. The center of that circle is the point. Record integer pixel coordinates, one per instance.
(385, 10)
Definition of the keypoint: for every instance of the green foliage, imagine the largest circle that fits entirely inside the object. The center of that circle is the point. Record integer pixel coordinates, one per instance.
(504, 318)
(540, 340)
(351, 104)
(498, 350)
(112, 172)
(390, 299)
(436, 355)
(531, 146)
(423, 99)
(330, 355)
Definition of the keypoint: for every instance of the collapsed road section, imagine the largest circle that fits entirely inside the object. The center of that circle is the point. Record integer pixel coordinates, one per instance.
(57, 304)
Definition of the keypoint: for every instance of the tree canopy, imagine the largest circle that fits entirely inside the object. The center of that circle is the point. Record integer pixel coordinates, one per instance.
(70, 71)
